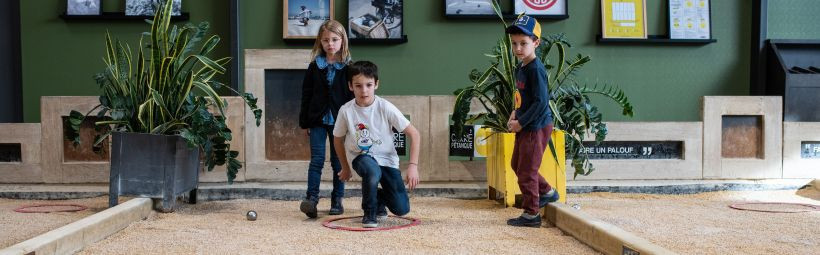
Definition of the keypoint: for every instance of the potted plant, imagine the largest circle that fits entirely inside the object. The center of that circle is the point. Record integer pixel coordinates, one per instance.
(158, 107)
(575, 114)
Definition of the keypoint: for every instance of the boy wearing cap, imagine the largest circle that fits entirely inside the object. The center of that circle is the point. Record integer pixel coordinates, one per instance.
(531, 122)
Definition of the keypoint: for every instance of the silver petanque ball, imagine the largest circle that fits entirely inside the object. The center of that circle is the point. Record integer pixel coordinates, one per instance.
(251, 215)
(576, 206)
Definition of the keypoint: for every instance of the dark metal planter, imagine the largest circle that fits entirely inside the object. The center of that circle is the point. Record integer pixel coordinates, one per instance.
(155, 166)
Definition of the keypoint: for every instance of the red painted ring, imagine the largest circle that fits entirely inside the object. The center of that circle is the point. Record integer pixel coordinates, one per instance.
(737, 207)
(329, 224)
(22, 209)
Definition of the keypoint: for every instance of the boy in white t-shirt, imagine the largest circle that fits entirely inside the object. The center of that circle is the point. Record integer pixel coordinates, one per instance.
(364, 131)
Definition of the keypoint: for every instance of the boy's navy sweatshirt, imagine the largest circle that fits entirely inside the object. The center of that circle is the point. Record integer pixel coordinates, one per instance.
(531, 81)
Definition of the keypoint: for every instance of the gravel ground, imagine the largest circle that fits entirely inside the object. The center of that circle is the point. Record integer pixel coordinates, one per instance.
(447, 226)
(704, 224)
(17, 227)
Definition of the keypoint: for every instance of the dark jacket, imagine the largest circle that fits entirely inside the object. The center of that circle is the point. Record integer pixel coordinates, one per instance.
(531, 82)
(317, 96)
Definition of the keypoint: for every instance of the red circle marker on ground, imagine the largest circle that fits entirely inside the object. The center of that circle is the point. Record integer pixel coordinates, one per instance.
(29, 208)
(329, 224)
(750, 207)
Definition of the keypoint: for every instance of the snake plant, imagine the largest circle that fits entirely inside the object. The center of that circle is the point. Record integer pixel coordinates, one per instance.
(167, 88)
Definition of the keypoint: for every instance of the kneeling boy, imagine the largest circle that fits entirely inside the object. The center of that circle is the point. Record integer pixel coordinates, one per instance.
(364, 131)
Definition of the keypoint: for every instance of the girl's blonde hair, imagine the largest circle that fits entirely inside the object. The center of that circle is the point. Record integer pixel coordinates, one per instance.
(336, 28)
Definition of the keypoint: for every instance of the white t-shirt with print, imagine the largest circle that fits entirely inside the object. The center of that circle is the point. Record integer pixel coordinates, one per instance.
(369, 130)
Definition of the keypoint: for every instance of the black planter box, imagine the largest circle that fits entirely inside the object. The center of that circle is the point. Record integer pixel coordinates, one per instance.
(794, 73)
(155, 166)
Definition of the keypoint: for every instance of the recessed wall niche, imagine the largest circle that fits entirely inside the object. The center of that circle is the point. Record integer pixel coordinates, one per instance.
(85, 151)
(742, 136)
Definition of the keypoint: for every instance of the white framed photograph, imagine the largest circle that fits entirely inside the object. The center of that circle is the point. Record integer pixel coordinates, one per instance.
(302, 18)
(83, 7)
(471, 8)
(148, 7)
(543, 8)
(375, 19)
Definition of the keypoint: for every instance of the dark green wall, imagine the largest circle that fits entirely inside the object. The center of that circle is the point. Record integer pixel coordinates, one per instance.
(60, 57)
(794, 19)
(664, 82)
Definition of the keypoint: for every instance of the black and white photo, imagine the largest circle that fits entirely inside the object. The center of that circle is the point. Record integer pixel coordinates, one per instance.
(148, 7)
(83, 7)
(302, 18)
(375, 19)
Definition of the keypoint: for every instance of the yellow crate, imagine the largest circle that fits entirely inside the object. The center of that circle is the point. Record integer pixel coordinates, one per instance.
(501, 180)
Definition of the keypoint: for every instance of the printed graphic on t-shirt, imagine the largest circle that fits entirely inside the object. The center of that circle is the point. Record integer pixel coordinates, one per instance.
(363, 139)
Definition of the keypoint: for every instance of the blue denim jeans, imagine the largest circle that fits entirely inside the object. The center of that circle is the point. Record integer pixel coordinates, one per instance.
(392, 194)
(318, 139)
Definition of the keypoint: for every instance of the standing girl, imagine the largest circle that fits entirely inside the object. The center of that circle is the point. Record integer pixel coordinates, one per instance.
(324, 91)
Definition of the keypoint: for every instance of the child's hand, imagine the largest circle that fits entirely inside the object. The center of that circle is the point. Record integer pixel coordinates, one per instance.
(412, 176)
(344, 175)
(514, 126)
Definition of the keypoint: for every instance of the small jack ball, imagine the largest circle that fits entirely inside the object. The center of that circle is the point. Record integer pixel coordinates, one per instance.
(251, 215)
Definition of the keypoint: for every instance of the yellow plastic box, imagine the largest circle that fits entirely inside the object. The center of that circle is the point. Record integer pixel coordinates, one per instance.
(501, 180)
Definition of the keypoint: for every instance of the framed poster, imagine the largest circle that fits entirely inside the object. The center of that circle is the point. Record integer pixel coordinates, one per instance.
(541, 8)
(375, 19)
(148, 7)
(469, 9)
(623, 19)
(83, 7)
(301, 19)
(690, 19)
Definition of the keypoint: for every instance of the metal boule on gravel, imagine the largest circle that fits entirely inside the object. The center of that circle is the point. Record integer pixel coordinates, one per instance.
(251, 215)
(576, 206)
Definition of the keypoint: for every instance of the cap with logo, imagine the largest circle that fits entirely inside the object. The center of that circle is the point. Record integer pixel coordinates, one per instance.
(526, 25)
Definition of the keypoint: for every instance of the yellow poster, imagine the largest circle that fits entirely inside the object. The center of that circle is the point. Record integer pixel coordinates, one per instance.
(623, 18)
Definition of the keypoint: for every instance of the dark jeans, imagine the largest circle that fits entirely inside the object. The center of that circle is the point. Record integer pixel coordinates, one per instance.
(392, 194)
(529, 149)
(318, 139)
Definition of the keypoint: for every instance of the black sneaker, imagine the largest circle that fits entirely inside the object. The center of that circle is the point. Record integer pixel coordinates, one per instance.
(336, 207)
(368, 221)
(308, 207)
(524, 222)
(543, 200)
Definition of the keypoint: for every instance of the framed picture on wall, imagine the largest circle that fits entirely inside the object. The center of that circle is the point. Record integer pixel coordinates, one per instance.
(375, 19)
(469, 9)
(83, 7)
(623, 19)
(554, 9)
(301, 19)
(690, 19)
(148, 7)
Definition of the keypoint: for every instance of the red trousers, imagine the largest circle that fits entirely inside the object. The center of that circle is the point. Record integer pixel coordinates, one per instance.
(526, 160)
